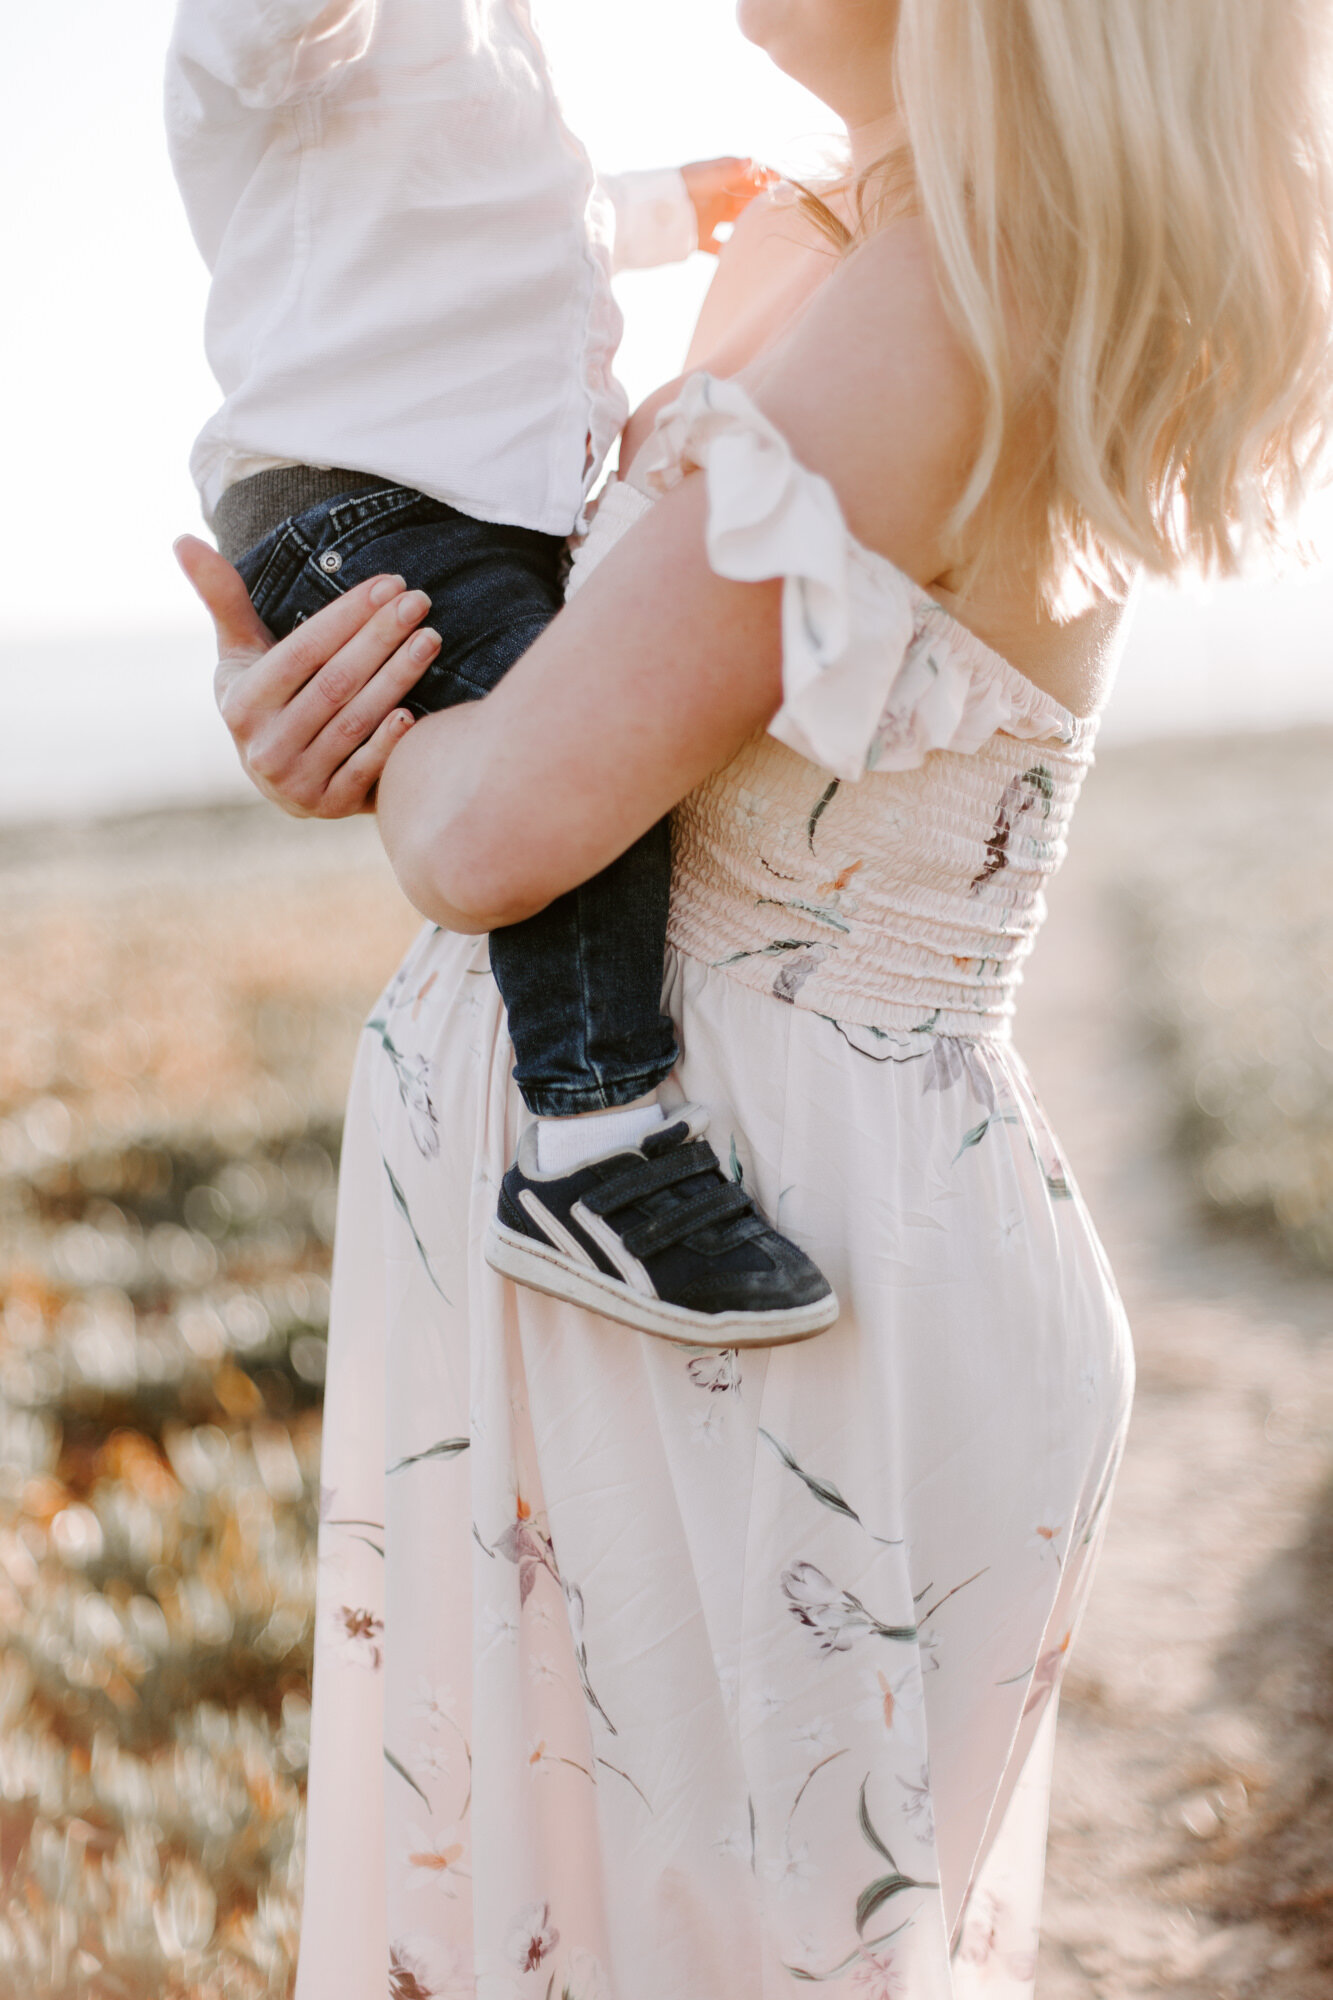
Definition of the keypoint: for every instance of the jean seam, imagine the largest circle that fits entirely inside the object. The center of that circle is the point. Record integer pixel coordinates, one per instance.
(376, 510)
(284, 562)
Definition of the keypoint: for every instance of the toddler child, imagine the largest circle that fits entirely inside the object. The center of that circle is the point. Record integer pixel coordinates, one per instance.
(412, 324)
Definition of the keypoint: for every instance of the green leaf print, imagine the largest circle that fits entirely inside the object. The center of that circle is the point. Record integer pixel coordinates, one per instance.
(866, 1946)
(878, 1893)
(1039, 780)
(867, 1825)
(826, 800)
(446, 1448)
(777, 949)
(400, 1203)
(973, 1138)
(821, 913)
(406, 1776)
(823, 1489)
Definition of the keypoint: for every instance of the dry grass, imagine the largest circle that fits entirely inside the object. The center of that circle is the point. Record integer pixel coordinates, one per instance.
(180, 1004)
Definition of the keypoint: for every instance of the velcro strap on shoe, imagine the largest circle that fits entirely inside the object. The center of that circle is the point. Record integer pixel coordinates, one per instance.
(721, 1203)
(681, 1164)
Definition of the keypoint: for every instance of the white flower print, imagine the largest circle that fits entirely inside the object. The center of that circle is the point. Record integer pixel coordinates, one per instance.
(918, 1805)
(1045, 1538)
(424, 1968)
(543, 1670)
(354, 1634)
(585, 1979)
(734, 1845)
(791, 977)
(433, 1757)
(814, 1736)
(497, 1627)
(718, 1373)
(874, 1977)
(890, 1698)
(759, 1704)
(433, 1856)
(706, 1425)
(532, 1936)
(792, 1869)
(435, 1702)
(835, 1617)
(952, 1059)
(979, 1938)
(810, 1947)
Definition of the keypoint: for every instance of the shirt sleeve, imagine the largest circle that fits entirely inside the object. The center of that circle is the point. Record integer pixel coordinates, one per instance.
(272, 52)
(655, 219)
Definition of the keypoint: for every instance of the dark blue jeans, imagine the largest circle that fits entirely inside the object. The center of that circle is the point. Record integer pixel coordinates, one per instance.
(582, 981)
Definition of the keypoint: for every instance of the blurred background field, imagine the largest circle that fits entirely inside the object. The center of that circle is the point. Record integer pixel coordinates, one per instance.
(181, 1002)
(181, 998)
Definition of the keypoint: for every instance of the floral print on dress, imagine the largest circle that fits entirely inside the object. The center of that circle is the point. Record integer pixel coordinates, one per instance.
(724, 1635)
(532, 1937)
(834, 1618)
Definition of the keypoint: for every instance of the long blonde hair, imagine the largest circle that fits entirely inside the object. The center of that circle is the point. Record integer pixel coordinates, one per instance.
(1132, 207)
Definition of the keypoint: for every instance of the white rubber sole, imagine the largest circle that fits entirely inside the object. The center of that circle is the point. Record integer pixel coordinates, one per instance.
(543, 1268)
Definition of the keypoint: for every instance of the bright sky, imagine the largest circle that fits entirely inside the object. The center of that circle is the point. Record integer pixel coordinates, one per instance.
(103, 654)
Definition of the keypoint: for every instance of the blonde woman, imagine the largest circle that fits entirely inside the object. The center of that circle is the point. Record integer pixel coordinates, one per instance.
(650, 1675)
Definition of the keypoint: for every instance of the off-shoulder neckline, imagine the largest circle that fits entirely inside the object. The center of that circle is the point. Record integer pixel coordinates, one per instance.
(1069, 728)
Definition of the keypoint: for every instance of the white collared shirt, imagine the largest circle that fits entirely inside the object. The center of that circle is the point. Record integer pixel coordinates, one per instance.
(411, 258)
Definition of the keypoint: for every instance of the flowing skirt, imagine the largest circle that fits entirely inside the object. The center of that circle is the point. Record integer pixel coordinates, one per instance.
(650, 1674)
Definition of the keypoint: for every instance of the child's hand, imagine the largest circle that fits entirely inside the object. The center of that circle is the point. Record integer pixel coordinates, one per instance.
(314, 716)
(721, 190)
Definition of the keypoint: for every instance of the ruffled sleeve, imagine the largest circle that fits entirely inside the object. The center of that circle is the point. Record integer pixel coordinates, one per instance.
(875, 673)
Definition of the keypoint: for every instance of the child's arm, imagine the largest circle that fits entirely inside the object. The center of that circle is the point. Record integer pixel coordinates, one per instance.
(272, 52)
(664, 217)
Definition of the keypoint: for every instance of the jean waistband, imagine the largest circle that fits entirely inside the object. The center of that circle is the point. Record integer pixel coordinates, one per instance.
(254, 507)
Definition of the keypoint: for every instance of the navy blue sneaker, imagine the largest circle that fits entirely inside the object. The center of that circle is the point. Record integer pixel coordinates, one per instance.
(659, 1238)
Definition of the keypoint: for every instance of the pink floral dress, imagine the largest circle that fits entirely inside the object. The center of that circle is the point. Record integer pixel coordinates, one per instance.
(655, 1675)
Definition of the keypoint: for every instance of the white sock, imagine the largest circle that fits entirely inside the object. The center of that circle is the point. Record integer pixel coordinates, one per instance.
(565, 1144)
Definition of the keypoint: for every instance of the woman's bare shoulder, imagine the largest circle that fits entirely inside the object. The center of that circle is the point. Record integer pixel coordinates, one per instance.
(777, 258)
(874, 388)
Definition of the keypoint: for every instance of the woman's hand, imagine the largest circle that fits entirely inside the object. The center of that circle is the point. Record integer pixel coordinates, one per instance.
(315, 717)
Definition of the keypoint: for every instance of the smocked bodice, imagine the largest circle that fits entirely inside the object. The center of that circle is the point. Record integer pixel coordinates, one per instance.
(879, 854)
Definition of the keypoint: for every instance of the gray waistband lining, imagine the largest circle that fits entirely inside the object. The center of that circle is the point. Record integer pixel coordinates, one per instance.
(253, 507)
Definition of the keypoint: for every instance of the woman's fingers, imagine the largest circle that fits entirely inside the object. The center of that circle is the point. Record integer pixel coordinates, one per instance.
(300, 752)
(315, 715)
(332, 684)
(295, 661)
(352, 787)
(238, 625)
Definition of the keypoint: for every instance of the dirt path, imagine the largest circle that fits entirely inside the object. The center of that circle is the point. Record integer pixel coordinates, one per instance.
(1194, 1772)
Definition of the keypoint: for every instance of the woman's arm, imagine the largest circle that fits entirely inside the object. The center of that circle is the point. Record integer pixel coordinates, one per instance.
(660, 669)
(643, 685)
